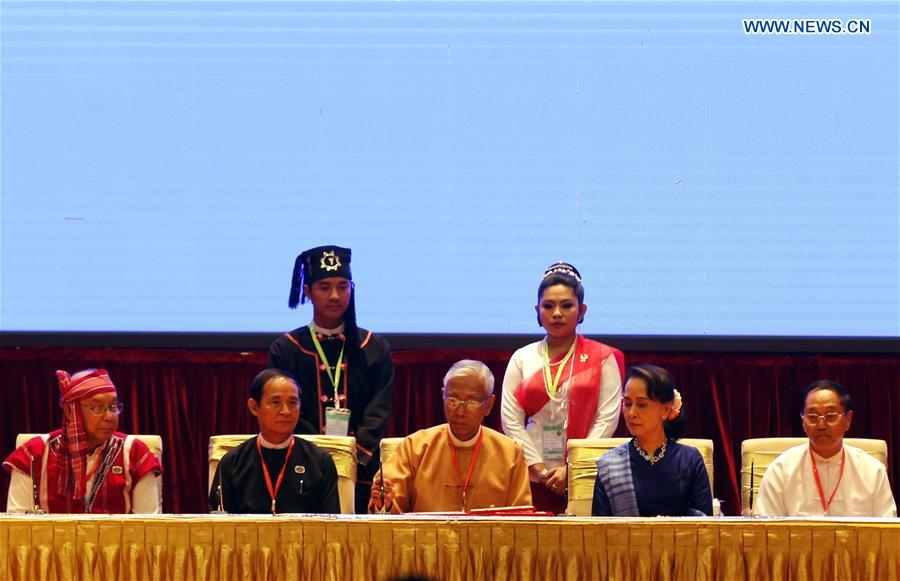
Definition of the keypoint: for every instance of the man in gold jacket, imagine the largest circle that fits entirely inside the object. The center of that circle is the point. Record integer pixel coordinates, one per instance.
(457, 466)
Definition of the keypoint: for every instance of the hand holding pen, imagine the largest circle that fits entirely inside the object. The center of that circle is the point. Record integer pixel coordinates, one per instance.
(382, 496)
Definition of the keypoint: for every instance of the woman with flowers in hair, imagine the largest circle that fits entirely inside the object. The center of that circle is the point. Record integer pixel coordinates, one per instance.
(561, 387)
(652, 474)
(87, 466)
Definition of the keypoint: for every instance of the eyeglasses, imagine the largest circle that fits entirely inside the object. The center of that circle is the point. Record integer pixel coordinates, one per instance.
(830, 418)
(277, 405)
(471, 404)
(98, 410)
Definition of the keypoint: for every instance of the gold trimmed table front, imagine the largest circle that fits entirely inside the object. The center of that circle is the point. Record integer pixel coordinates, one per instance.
(380, 547)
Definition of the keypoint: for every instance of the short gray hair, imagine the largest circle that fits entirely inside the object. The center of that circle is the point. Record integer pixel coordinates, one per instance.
(472, 368)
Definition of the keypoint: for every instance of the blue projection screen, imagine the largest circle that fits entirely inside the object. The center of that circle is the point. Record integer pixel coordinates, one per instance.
(164, 162)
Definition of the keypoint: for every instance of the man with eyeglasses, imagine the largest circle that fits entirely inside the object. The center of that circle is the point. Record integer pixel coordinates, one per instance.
(87, 466)
(457, 466)
(825, 477)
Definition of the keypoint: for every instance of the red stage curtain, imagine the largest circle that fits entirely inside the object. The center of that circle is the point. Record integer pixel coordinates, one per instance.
(186, 396)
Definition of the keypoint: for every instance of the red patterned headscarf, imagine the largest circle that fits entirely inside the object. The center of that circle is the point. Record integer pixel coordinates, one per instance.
(73, 389)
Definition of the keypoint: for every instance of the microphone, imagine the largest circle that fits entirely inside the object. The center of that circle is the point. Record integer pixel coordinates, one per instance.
(750, 503)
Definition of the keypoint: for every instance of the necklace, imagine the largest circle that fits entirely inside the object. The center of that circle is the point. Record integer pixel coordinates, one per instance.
(551, 382)
(653, 459)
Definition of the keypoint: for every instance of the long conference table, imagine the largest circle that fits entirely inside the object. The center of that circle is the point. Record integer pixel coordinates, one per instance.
(444, 547)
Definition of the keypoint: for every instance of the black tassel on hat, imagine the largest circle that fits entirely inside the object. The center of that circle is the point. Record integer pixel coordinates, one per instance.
(297, 295)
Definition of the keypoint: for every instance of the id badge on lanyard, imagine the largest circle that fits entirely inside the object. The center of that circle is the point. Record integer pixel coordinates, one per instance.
(552, 444)
(337, 421)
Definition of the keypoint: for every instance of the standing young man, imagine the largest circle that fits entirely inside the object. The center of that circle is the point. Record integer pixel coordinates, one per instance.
(345, 373)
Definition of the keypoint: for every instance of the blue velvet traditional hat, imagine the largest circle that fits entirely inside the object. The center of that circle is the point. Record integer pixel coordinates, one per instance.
(325, 262)
(315, 264)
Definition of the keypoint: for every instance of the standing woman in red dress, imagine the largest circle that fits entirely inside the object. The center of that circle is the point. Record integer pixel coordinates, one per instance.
(563, 386)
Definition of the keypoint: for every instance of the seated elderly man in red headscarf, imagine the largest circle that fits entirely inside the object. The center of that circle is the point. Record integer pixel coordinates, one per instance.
(87, 466)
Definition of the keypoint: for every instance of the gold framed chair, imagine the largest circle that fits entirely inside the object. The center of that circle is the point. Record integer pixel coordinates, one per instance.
(341, 448)
(758, 453)
(582, 467)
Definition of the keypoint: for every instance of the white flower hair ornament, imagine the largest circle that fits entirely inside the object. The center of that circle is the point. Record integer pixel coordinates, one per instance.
(676, 406)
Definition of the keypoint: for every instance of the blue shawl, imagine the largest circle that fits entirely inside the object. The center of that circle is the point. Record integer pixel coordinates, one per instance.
(614, 472)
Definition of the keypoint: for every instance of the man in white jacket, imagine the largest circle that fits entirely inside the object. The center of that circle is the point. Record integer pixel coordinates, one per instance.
(826, 477)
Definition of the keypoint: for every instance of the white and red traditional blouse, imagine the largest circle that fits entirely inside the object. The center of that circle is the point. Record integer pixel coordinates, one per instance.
(586, 403)
(127, 479)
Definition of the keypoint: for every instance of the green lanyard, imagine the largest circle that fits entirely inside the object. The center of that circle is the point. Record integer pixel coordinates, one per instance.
(552, 383)
(336, 376)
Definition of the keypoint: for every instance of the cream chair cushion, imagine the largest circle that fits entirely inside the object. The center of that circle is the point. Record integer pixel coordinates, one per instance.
(758, 453)
(341, 448)
(582, 467)
(388, 447)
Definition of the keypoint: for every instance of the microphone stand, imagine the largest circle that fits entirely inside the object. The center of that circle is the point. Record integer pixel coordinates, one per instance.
(221, 509)
(750, 503)
(35, 496)
(383, 508)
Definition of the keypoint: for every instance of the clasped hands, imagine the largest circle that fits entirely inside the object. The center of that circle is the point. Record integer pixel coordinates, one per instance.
(553, 479)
